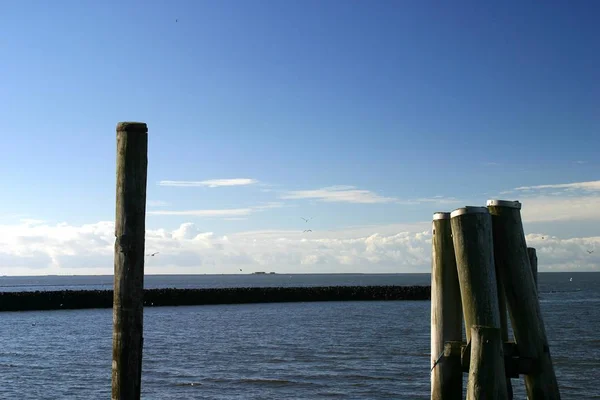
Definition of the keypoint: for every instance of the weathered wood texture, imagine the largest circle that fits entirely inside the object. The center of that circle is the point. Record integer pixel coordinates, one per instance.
(502, 307)
(504, 321)
(130, 227)
(446, 312)
(521, 295)
(473, 248)
(486, 371)
(533, 263)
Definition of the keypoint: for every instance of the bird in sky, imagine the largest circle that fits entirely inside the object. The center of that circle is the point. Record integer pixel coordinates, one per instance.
(306, 219)
(590, 251)
(152, 254)
(307, 230)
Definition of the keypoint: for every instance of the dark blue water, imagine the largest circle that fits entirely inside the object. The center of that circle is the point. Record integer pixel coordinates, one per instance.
(344, 350)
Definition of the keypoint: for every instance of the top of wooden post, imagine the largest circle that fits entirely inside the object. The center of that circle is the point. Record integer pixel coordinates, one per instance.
(441, 215)
(504, 203)
(469, 210)
(140, 127)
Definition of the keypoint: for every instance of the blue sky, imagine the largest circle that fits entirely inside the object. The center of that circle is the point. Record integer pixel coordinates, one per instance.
(367, 116)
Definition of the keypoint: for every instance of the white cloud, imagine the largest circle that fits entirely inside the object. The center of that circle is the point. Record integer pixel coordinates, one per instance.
(227, 213)
(157, 203)
(30, 221)
(350, 194)
(231, 212)
(589, 186)
(340, 193)
(269, 205)
(573, 201)
(441, 200)
(560, 208)
(88, 249)
(211, 183)
(555, 254)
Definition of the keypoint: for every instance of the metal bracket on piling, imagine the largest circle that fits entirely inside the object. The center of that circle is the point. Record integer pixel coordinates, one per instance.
(514, 364)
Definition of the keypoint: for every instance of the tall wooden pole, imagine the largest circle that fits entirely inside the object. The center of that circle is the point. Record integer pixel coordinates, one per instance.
(474, 250)
(130, 229)
(521, 295)
(446, 312)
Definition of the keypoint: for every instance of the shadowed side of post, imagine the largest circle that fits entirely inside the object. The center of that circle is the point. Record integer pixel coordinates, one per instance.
(130, 227)
(521, 296)
(533, 263)
(504, 320)
(446, 312)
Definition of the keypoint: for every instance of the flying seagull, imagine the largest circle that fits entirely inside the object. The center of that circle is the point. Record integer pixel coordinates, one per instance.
(152, 255)
(307, 230)
(590, 251)
(306, 220)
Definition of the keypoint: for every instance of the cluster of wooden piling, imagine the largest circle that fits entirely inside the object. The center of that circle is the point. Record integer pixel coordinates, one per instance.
(481, 267)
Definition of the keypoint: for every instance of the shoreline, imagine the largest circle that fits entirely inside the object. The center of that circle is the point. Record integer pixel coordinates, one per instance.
(87, 299)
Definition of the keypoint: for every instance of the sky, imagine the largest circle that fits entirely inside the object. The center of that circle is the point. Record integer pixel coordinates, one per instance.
(363, 117)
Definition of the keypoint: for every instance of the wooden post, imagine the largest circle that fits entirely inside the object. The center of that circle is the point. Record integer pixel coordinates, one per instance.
(130, 229)
(521, 295)
(503, 322)
(502, 308)
(474, 250)
(486, 368)
(446, 312)
(533, 262)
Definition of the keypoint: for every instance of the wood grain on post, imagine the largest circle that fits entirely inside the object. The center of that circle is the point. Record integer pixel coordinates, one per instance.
(502, 307)
(521, 295)
(130, 228)
(533, 263)
(473, 247)
(503, 320)
(446, 312)
(486, 368)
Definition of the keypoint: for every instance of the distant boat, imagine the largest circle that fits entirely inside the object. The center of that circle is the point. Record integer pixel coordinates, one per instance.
(271, 273)
(259, 273)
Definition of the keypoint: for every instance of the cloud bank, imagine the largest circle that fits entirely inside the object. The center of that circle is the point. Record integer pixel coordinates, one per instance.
(38, 249)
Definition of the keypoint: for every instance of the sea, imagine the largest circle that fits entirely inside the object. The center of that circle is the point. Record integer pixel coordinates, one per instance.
(321, 350)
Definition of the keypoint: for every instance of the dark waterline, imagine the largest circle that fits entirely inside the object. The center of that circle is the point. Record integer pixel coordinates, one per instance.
(105, 282)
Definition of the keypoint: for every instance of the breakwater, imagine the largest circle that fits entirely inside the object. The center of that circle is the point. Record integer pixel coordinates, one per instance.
(83, 299)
